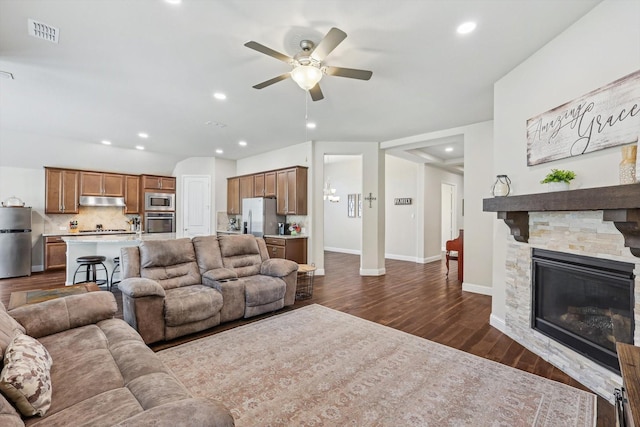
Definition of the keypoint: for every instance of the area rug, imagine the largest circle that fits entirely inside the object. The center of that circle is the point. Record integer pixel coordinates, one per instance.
(315, 366)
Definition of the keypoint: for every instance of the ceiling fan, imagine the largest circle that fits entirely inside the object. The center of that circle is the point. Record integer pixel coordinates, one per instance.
(308, 66)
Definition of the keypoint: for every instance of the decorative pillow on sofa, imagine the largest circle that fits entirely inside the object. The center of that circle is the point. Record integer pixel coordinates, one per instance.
(26, 376)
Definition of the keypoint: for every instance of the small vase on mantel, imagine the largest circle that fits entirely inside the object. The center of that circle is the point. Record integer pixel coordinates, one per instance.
(628, 164)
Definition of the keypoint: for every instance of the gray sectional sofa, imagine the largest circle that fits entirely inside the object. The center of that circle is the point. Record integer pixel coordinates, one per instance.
(102, 373)
(176, 287)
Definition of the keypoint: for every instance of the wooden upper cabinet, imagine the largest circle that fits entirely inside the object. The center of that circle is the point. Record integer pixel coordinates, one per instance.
(246, 188)
(291, 191)
(258, 185)
(233, 196)
(61, 191)
(101, 184)
(270, 184)
(131, 194)
(164, 183)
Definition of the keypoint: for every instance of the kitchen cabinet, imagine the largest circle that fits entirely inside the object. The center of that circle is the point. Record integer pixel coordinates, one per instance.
(291, 191)
(264, 184)
(55, 253)
(294, 249)
(61, 191)
(233, 196)
(131, 194)
(164, 183)
(246, 188)
(269, 184)
(101, 184)
(258, 185)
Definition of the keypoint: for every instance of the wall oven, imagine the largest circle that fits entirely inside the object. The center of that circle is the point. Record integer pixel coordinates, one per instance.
(160, 222)
(159, 202)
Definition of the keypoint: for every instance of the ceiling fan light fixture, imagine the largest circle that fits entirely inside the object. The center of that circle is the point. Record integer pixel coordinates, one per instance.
(306, 76)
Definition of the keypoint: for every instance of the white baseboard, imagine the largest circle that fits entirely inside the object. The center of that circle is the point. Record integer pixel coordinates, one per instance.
(477, 289)
(413, 259)
(498, 323)
(319, 272)
(373, 271)
(343, 251)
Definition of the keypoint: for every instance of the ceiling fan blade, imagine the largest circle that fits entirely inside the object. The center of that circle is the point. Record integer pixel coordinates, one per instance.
(268, 51)
(316, 93)
(351, 73)
(333, 38)
(272, 81)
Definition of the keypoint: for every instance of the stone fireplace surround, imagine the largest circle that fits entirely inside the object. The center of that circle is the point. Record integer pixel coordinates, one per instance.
(591, 222)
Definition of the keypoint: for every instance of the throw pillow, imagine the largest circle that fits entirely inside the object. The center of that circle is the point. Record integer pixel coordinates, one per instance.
(26, 376)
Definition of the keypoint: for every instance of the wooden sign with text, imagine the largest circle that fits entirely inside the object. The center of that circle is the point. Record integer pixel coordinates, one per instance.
(604, 118)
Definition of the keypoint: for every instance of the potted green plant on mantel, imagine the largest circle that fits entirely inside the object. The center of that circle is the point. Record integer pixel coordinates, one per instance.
(558, 179)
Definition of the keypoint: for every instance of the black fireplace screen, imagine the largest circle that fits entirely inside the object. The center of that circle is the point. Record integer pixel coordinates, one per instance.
(585, 303)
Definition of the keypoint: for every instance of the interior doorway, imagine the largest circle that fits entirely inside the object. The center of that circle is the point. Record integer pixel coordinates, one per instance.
(448, 216)
(342, 199)
(196, 205)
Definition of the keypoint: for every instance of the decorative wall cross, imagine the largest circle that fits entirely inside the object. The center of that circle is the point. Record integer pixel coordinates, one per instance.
(370, 199)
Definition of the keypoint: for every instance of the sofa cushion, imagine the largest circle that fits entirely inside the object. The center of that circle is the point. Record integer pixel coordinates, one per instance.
(241, 254)
(208, 252)
(161, 253)
(26, 376)
(9, 327)
(261, 290)
(218, 274)
(191, 304)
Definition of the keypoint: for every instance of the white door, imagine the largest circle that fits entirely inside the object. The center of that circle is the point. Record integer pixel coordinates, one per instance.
(196, 205)
(448, 194)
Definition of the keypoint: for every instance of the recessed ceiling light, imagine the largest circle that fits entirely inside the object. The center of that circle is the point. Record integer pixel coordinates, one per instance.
(173, 1)
(448, 149)
(311, 125)
(466, 27)
(143, 135)
(105, 142)
(242, 143)
(219, 95)
(219, 151)
(139, 147)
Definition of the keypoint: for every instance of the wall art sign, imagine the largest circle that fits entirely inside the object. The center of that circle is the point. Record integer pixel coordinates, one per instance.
(402, 201)
(606, 117)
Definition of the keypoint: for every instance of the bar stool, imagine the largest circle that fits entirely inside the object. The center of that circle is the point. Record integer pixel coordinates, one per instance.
(116, 266)
(91, 264)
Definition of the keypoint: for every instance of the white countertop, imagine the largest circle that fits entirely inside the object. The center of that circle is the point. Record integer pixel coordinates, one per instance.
(117, 238)
(90, 233)
(287, 236)
(275, 236)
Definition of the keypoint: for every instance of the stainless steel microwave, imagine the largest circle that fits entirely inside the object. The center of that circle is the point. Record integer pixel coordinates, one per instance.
(159, 202)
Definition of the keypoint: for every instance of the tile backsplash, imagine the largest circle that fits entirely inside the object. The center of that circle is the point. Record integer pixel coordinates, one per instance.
(222, 220)
(88, 217)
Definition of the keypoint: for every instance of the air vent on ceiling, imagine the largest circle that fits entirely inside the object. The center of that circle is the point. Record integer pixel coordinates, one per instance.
(43, 31)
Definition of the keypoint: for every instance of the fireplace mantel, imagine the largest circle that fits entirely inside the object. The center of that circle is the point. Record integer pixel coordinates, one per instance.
(619, 203)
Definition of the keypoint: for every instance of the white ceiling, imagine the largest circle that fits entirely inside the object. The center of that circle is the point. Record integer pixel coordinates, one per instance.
(122, 67)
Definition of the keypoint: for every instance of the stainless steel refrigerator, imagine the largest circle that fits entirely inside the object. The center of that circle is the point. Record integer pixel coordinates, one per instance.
(259, 216)
(15, 242)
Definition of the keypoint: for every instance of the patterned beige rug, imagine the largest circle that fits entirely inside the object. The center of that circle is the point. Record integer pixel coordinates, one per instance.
(315, 366)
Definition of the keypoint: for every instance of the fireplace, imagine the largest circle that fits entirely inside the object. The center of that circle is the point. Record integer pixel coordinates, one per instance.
(584, 303)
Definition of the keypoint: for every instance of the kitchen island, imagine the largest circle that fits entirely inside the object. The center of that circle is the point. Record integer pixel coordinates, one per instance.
(107, 245)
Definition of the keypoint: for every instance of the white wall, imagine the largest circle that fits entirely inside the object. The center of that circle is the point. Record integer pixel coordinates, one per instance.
(601, 47)
(401, 222)
(341, 232)
(295, 155)
(478, 225)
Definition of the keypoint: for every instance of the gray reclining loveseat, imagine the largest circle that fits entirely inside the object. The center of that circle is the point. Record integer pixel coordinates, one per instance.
(176, 287)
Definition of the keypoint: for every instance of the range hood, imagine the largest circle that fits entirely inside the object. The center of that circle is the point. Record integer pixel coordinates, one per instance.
(101, 201)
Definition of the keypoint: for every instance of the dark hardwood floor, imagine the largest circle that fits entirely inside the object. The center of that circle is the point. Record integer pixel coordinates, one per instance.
(414, 298)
